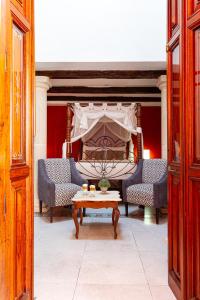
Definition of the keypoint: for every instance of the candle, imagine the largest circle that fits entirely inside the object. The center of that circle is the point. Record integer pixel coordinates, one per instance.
(85, 187)
(92, 188)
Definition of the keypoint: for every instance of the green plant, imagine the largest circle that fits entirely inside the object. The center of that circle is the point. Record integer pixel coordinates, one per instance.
(104, 183)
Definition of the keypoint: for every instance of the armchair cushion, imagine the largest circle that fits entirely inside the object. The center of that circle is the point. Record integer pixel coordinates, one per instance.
(160, 192)
(64, 193)
(135, 178)
(76, 177)
(141, 194)
(153, 170)
(58, 170)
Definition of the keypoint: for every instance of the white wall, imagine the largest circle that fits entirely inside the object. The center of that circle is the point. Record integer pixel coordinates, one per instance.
(100, 30)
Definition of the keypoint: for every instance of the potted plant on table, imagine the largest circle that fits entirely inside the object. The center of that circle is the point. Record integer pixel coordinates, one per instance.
(104, 185)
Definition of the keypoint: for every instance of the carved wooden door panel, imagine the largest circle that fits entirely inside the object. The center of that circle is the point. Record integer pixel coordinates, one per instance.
(192, 178)
(184, 149)
(3, 282)
(18, 103)
(175, 177)
(174, 7)
(21, 103)
(175, 149)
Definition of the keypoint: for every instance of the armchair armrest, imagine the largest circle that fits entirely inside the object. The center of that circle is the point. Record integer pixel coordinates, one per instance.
(160, 192)
(46, 187)
(76, 177)
(135, 178)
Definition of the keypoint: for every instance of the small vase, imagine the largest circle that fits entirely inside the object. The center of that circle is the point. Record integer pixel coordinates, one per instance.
(104, 189)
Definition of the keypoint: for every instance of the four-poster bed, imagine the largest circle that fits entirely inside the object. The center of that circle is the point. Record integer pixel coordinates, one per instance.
(106, 131)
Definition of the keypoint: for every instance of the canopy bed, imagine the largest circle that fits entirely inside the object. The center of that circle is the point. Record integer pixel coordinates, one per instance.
(106, 131)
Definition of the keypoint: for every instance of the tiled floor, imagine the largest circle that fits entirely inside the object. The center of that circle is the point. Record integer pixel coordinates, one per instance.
(96, 267)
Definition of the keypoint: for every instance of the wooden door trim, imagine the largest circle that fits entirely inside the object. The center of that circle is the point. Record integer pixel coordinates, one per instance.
(174, 284)
(192, 165)
(176, 173)
(197, 5)
(20, 172)
(19, 19)
(193, 21)
(172, 43)
(173, 28)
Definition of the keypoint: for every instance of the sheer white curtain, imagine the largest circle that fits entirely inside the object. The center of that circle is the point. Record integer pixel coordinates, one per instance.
(86, 118)
(120, 120)
(106, 126)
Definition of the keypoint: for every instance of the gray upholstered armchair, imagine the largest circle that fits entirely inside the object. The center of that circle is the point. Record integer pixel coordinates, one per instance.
(58, 182)
(147, 186)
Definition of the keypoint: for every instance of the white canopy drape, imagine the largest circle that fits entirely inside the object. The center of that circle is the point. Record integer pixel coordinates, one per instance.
(105, 126)
(86, 118)
(120, 120)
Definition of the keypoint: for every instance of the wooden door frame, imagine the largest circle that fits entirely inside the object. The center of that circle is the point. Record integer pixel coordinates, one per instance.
(176, 37)
(192, 175)
(19, 175)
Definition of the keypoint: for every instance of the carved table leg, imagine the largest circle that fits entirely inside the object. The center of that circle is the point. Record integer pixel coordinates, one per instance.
(116, 219)
(84, 211)
(75, 217)
(81, 216)
(113, 216)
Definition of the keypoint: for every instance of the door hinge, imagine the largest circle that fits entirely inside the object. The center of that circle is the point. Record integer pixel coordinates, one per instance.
(167, 48)
(5, 205)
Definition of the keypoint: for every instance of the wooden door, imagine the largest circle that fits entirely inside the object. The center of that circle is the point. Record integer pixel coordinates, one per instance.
(175, 151)
(192, 124)
(184, 147)
(17, 68)
(3, 283)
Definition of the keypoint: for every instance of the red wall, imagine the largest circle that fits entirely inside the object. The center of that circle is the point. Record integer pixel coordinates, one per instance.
(56, 131)
(151, 127)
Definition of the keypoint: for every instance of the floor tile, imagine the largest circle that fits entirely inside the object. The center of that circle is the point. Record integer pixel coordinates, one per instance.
(112, 292)
(54, 291)
(155, 267)
(110, 273)
(120, 257)
(149, 241)
(110, 245)
(58, 270)
(162, 293)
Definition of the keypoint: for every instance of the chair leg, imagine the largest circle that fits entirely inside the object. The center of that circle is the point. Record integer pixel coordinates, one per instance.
(126, 208)
(51, 214)
(84, 211)
(40, 207)
(157, 215)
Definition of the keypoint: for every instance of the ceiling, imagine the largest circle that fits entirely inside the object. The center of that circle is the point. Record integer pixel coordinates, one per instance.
(99, 82)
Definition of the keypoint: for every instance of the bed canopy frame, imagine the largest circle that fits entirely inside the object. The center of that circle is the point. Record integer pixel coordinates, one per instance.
(69, 128)
(104, 144)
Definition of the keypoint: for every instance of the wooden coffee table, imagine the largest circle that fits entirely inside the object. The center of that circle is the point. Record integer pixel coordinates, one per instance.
(100, 200)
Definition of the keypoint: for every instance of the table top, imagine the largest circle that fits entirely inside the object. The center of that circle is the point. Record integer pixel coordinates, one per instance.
(97, 196)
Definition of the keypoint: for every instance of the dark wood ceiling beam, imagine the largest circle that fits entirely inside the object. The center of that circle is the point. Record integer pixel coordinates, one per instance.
(92, 74)
(103, 99)
(103, 90)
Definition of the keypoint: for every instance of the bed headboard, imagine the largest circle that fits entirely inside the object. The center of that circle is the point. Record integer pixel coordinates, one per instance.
(87, 148)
